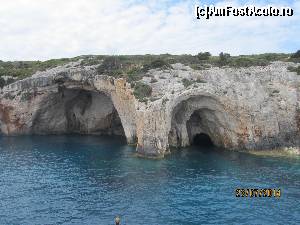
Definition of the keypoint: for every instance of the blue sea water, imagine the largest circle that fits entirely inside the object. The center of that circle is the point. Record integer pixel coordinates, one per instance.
(89, 180)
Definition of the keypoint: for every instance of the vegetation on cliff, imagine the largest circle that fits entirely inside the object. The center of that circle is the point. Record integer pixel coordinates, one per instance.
(134, 67)
(22, 69)
(296, 55)
(142, 91)
(186, 82)
(294, 69)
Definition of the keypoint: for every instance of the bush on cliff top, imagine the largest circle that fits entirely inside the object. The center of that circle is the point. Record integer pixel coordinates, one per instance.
(224, 58)
(110, 66)
(142, 91)
(186, 82)
(91, 60)
(118, 66)
(157, 64)
(2, 82)
(296, 55)
(203, 55)
(134, 74)
(22, 69)
(247, 62)
(294, 69)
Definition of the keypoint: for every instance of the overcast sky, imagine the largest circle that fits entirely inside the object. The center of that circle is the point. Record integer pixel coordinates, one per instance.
(43, 29)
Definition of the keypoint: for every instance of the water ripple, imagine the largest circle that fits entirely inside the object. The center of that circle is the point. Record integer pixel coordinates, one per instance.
(90, 180)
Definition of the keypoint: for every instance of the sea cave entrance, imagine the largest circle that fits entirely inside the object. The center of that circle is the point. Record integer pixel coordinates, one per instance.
(77, 111)
(201, 121)
(198, 129)
(202, 140)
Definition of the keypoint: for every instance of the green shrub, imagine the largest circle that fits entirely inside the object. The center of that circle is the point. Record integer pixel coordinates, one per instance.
(53, 63)
(159, 63)
(153, 99)
(22, 69)
(153, 80)
(111, 65)
(203, 55)
(294, 69)
(186, 82)
(224, 58)
(121, 66)
(2, 82)
(26, 96)
(199, 80)
(92, 60)
(296, 55)
(246, 62)
(200, 66)
(142, 91)
(9, 81)
(8, 95)
(270, 56)
(164, 101)
(133, 75)
(291, 68)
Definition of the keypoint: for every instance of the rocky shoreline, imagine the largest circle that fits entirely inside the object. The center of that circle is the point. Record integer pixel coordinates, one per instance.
(283, 152)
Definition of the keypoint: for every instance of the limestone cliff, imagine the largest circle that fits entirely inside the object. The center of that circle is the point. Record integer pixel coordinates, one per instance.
(244, 108)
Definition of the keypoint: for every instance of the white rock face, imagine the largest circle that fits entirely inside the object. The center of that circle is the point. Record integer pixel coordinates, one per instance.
(64, 100)
(245, 108)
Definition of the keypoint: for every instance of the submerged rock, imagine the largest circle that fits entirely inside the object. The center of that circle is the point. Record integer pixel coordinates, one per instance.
(238, 108)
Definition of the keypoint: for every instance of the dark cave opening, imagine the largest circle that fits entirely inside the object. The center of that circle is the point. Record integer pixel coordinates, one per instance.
(198, 129)
(202, 121)
(78, 111)
(202, 140)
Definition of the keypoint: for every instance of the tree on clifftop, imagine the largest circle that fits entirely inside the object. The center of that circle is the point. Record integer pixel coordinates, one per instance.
(224, 58)
(296, 55)
(110, 65)
(203, 55)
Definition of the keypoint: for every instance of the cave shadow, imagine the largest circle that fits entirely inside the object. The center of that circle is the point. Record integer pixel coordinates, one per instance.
(203, 143)
(202, 140)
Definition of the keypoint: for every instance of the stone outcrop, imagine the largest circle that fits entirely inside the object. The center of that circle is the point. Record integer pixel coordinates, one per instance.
(238, 108)
(63, 101)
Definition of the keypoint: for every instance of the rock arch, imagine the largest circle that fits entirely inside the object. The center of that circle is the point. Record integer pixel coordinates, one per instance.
(97, 106)
(70, 103)
(77, 110)
(202, 113)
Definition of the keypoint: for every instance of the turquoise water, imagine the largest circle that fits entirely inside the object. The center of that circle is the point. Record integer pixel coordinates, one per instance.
(90, 180)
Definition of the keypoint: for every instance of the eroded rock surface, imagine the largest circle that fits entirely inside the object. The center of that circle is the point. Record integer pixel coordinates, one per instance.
(245, 108)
